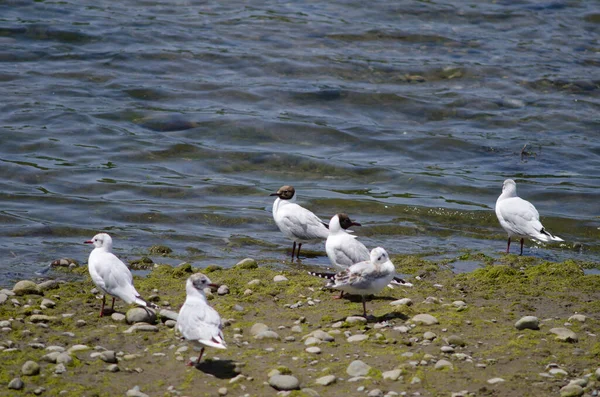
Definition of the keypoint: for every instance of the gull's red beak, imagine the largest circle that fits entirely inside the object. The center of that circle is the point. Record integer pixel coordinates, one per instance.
(88, 242)
(215, 286)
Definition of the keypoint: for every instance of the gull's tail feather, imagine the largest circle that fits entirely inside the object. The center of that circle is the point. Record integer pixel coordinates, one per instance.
(143, 302)
(547, 237)
(399, 281)
(328, 276)
(215, 341)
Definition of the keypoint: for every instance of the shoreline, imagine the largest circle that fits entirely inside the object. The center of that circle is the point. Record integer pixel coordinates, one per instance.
(450, 334)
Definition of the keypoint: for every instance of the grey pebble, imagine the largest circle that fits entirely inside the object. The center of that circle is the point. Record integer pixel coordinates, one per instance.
(118, 317)
(141, 327)
(141, 315)
(50, 357)
(358, 368)
(356, 319)
(425, 319)
(402, 302)
(357, 338)
(441, 364)
(3, 298)
(222, 391)
(257, 328)
(494, 381)
(564, 334)
(578, 317)
(280, 278)
(108, 356)
(313, 350)
(49, 284)
(326, 380)
(171, 323)
(571, 390)
(223, 290)
(16, 384)
(60, 369)
(64, 358)
(392, 375)
(47, 303)
(168, 314)
(25, 287)
(267, 335)
(112, 368)
(528, 322)
(284, 382)
(456, 340)
(30, 368)
(375, 393)
(135, 392)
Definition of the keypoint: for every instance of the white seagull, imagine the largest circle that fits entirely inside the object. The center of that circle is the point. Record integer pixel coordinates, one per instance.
(111, 275)
(197, 321)
(364, 278)
(295, 222)
(343, 249)
(519, 218)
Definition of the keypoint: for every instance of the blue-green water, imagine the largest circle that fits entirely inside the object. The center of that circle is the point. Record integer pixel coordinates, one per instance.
(171, 122)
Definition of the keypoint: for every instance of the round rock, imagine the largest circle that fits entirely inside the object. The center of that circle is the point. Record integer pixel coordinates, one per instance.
(267, 335)
(571, 390)
(442, 364)
(141, 315)
(257, 328)
(392, 375)
(358, 368)
(564, 334)
(326, 380)
(425, 319)
(313, 350)
(357, 338)
(577, 317)
(30, 368)
(280, 278)
(16, 384)
(25, 287)
(247, 263)
(528, 322)
(64, 358)
(284, 382)
(402, 302)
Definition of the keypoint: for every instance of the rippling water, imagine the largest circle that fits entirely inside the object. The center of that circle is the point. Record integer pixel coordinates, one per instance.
(171, 122)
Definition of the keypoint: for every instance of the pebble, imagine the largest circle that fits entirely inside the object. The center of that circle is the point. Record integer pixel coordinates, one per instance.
(16, 384)
(49, 284)
(447, 349)
(578, 317)
(141, 327)
(571, 390)
(358, 368)
(284, 382)
(254, 282)
(108, 356)
(402, 302)
(30, 368)
(375, 393)
(64, 262)
(403, 329)
(141, 315)
(357, 338)
(25, 287)
(222, 391)
(356, 319)
(64, 358)
(168, 314)
(392, 375)
(47, 303)
(321, 335)
(267, 335)
(456, 340)
(3, 298)
(247, 263)
(60, 369)
(170, 323)
(429, 335)
(54, 348)
(313, 350)
(312, 341)
(135, 392)
(415, 380)
(558, 371)
(597, 373)
(39, 390)
(50, 357)
(112, 368)
(564, 334)
(237, 378)
(223, 290)
(494, 381)
(257, 328)
(279, 278)
(326, 380)
(41, 318)
(528, 322)
(425, 319)
(118, 317)
(442, 364)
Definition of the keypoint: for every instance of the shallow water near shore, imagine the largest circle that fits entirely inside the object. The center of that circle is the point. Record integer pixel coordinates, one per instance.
(170, 123)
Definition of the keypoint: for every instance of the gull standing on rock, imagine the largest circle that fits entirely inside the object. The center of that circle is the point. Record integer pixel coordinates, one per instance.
(364, 278)
(519, 217)
(197, 321)
(111, 275)
(295, 222)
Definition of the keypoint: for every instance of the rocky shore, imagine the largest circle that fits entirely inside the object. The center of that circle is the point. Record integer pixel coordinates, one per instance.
(514, 327)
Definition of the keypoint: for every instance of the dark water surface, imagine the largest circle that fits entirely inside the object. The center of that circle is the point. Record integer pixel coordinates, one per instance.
(171, 122)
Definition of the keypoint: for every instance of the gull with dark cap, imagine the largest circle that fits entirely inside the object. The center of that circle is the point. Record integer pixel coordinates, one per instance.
(111, 275)
(295, 222)
(519, 218)
(197, 321)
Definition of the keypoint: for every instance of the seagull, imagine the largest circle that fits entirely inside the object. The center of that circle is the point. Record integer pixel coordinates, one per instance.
(519, 217)
(111, 275)
(364, 278)
(295, 222)
(197, 321)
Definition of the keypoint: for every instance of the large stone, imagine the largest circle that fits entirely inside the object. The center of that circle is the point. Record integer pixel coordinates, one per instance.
(42, 318)
(357, 338)
(64, 358)
(426, 319)
(268, 334)
(284, 382)
(3, 298)
(49, 284)
(168, 315)
(564, 334)
(358, 368)
(456, 340)
(402, 302)
(571, 390)
(25, 287)
(320, 335)
(247, 263)
(326, 380)
(109, 356)
(280, 278)
(141, 327)
(528, 322)
(47, 303)
(141, 315)
(578, 317)
(30, 368)
(135, 392)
